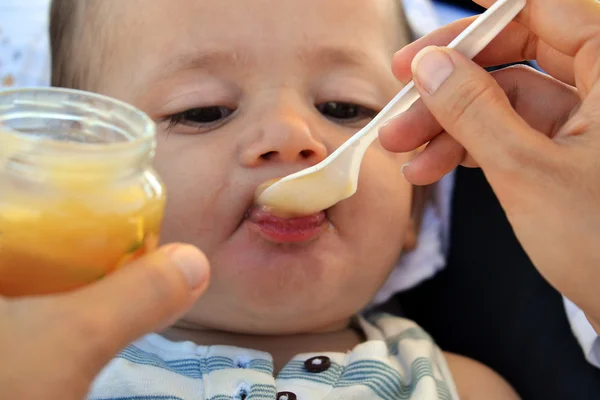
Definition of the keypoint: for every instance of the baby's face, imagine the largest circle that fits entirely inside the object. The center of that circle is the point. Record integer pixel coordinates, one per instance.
(244, 91)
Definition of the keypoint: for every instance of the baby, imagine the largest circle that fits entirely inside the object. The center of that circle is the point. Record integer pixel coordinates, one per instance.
(244, 91)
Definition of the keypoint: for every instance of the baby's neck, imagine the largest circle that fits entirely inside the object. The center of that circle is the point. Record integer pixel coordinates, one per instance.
(281, 347)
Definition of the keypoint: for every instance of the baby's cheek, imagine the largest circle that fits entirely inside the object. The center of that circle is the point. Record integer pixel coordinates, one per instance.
(195, 195)
(192, 214)
(385, 198)
(381, 174)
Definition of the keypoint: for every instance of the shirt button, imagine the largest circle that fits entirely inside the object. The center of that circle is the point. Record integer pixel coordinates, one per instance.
(317, 364)
(286, 396)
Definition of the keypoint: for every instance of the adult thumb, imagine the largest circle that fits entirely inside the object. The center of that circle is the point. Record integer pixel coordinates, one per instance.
(140, 298)
(471, 106)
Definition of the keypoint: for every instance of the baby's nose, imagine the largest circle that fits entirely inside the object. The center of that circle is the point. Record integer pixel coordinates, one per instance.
(285, 139)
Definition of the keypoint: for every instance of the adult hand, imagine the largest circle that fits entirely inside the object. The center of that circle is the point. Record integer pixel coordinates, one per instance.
(536, 137)
(53, 347)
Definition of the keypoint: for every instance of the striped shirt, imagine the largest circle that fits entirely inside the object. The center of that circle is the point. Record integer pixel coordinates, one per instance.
(397, 361)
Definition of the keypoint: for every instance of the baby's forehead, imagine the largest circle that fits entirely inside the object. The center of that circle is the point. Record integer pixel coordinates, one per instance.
(130, 15)
(160, 34)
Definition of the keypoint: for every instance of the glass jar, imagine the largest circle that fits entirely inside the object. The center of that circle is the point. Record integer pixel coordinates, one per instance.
(78, 196)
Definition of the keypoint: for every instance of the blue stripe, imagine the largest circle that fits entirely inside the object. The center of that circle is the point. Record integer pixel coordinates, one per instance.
(153, 359)
(262, 366)
(374, 380)
(412, 333)
(388, 379)
(190, 367)
(386, 382)
(262, 392)
(443, 391)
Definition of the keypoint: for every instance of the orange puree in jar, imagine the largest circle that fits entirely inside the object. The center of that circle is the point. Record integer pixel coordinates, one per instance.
(73, 210)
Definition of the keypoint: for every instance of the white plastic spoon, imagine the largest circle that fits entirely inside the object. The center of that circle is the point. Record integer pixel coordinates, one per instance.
(336, 178)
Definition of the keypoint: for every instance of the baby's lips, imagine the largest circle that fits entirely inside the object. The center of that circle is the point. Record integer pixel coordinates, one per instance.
(266, 217)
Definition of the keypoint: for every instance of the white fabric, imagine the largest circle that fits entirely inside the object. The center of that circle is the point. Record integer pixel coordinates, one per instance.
(584, 332)
(24, 47)
(421, 16)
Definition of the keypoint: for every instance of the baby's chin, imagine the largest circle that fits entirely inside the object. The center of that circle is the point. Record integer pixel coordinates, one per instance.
(289, 302)
(271, 289)
(281, 320)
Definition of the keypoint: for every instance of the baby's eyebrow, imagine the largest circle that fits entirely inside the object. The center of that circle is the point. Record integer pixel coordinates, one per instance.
(205, 60)
(335, 55)
(325, 55)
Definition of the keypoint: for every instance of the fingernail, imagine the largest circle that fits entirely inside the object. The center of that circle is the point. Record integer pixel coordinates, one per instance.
(385, 125)
(431, 67)
(191, 262)
(393, 120)
(403, 168)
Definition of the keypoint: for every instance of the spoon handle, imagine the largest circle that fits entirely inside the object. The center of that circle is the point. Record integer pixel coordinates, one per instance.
(469, 43)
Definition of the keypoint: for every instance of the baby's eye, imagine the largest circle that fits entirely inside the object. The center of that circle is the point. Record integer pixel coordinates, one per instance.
(345, 112)
(201, 117)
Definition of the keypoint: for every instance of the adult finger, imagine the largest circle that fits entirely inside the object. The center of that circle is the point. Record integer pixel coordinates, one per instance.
(514, 44)
(474, 109)
(571, 27)
(411, 130)
(439, 158)
(564, 25)
(136, 300)
(543, 102)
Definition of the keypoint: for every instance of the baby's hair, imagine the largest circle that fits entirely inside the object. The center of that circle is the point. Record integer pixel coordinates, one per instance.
(75, 28)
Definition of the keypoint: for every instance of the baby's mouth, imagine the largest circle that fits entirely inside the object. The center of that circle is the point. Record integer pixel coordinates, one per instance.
(279, 228)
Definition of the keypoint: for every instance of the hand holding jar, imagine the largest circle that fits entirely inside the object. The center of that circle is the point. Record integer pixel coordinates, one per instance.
(79, 201)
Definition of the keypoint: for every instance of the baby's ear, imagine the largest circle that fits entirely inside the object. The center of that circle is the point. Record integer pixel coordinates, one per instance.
(419, 200)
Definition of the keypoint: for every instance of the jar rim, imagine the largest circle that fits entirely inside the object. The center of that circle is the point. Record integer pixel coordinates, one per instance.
(143, 125)
(98, 132)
